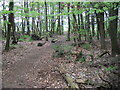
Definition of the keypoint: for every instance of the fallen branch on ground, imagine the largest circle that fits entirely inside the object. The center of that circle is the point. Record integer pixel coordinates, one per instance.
(41, 44)
(70, 81)
(106, 52)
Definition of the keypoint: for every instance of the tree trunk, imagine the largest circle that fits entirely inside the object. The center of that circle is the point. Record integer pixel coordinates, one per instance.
(28, 27)
(58, 28)
(4, 19)
(52, 21)
(46, 21)
(79, 38)
(93, 27)
(13, 28)
(100, 20)
(39, 21)
(10, 17)
(113, 30)
(68, 36)
(81, 24)
(98, 27)
(23, 26)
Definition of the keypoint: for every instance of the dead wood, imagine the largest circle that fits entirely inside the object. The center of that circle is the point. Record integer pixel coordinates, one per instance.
(41, 44)
(70, 81)
(106, 52)
(54, 40)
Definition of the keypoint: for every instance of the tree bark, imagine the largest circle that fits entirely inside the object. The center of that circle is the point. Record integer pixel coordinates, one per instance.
(28, 27)
(93, 27)
(113, 30)
(59, 27)
(4, 19)
(7, 46)
(68, 36)
(46, 20)
(100, 18)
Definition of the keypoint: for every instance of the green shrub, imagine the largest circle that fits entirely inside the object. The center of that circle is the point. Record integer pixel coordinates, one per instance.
(82, 59)
(87, 46)
(26, 38)
(110, 68)
(61, 50)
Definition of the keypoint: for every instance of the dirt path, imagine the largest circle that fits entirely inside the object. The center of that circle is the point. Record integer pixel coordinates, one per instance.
(32, 67)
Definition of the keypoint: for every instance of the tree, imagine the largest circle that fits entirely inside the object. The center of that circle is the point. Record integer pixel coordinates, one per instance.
(28, 27)
(46, 20)
(93, 27)
(113, 12)
(59, 27)
(68, 36)
(79, 38)
(4, 19)
(100, 22)
(39, 21)
(10, 19)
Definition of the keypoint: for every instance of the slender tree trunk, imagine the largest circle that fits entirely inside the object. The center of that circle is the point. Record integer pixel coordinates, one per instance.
(4, 19)
(79, 38)
(52, 21)
(28, 27)
(68, 36)
(7, 46)
(13, 28)
(46, 20)
(23, 26)
(39, 21)
(58, 28)
(113, 30)
(62, 23)
(81, 24)
(33, 19)
(100, 18)
(75, 30)
(62, 19)
(93, 27)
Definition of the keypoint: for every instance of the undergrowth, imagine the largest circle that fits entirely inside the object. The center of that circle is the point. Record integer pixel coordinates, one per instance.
(87, 46)
(61, 50)
(26, 38)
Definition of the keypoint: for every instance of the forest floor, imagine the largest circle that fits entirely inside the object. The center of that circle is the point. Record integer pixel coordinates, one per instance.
(30, 66)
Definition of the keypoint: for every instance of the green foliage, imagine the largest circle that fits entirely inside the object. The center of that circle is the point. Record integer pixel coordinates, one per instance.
(87, 46)
(26, 38)
(46, 34)
(112, 18)
(82, 31)
(2, 38)
(82, 59)
(61, 50)
(14, 46)
(110, 68)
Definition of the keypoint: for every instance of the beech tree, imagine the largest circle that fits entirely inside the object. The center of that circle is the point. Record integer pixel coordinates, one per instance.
(113, 28)
(68, 36)
(46, 20)
(10, 26)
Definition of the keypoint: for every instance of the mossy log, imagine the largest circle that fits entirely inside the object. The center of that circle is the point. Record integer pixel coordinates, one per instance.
(70, 81)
